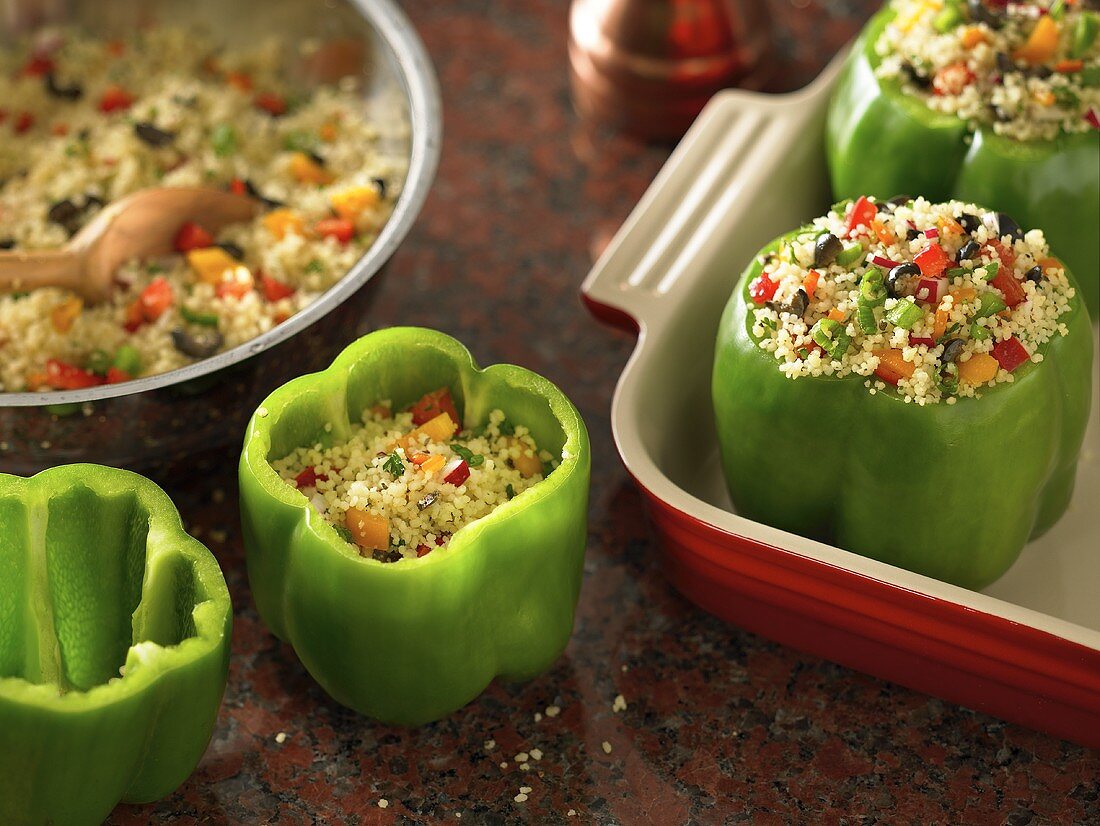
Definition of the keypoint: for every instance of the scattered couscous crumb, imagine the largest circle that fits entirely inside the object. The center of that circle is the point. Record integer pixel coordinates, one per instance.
(280, 738)
(535, 754)
(520, 798)
(262, 412)
(521, 757)
(538, 717)
(606, 747)
(383, 803)
(217, 496)
(552, 711)
(489, 745)
(571, 813)
(619, 704)
(218, 536)
(504, 764)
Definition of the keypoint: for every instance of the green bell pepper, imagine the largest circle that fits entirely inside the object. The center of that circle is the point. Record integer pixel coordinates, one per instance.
(412, 641)
(883, 142)
(950, 491)
(98, 579)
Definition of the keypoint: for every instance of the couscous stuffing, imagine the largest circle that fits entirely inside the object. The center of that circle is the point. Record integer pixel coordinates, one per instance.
(932, 301)
(405, 482)
(1031, 70)
(84, 122)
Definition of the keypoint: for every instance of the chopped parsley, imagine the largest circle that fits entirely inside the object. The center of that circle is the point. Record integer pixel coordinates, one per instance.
(467, 455)
(510, 491)
(344, 533)
(315, 266)
(506, 428)
(394, 465)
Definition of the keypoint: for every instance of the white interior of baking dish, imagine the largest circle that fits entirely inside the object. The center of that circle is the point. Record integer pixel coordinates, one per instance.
(752, 168)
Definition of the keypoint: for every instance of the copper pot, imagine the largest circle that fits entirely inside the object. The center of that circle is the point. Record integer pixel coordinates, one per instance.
(649, 66)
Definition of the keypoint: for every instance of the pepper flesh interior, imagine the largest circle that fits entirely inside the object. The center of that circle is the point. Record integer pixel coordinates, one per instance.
(72, 585)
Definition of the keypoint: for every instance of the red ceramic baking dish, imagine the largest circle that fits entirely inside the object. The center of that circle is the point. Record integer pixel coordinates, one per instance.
(1026, 649)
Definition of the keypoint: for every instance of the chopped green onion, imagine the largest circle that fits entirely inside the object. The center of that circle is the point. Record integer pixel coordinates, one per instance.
(831, 337)
(315, 266)
(299, 141)
(343, 533)
(467, 455)
(224, 140)
(872, 289)
(510, 491)
(905, 314)
(506, 428)
(865, 318)
(948, 379)
(991, 271)
(197, 317)
(850, 254)
(978, 332)
(99, 362)
(957, 271)
(1057, 9)
(1090, 76)
(947, 19)
(989, 304)
(127, 359)
(393, 465)
(1084, 34)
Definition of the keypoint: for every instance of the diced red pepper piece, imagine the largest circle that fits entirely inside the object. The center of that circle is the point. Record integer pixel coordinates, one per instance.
(192, 237)
(931, 290)
(1092, 118)
(239, 80)
(115, 99)
(927, 341)
(309, 478)
(932, 260)
(1010, 353)
(271, 103)
(1005, 253)
(422, 550)
(432, 404)
(952, 79)
(341, 229)
(275, 290)
(762, 289)
(236, 288)
(116, 376)
(64, 376)
(38, 66)
(1009, 286)
(23, 122)
(156, 298)
(862, 214)
(238, 187)
(456, 472)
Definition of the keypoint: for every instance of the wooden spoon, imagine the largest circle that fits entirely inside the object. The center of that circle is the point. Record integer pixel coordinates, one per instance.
(141, 225)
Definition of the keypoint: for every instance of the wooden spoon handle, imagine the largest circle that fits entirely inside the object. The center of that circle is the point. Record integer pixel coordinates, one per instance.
(26, 271)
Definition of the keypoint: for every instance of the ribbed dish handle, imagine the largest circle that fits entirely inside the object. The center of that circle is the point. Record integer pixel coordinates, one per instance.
(697, 200)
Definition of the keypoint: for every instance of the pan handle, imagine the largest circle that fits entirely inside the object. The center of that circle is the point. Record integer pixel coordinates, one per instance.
(711, 191)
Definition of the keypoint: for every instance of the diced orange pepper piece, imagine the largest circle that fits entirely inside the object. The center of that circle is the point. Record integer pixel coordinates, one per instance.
(239, 80)
(211, 263)
(527, 463)
(836, 315)
(1045, 98)
(439, 429)
(351, 203)
(949, 226)
(419, 458)
(809, 283)
(939, 325)
(1068, 67)
(1041, 44)
(883, 233)
(978, 369)
(282, 221)
(308, 171)
(963, 294)
(892, 366)
(64, 314)
(327, 132)
(368, 531)
(434, 464)
(1051, 263)
(972, 36)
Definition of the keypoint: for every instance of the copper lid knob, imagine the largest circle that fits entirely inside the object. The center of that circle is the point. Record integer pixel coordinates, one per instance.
(649, 66)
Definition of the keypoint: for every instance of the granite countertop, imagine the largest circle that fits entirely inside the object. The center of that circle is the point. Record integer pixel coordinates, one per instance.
(715, 724)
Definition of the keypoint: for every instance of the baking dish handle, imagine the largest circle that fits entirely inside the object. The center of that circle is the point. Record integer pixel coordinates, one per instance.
(695, 205)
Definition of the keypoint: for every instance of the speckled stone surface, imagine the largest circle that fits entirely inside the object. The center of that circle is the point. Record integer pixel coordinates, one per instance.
(719, 725)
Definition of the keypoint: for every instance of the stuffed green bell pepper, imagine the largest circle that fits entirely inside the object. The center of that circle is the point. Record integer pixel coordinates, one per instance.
(415, 526)
(114, 645)
(987, 102)
(906, 380)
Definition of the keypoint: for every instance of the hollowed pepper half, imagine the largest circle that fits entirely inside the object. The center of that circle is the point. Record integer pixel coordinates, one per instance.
(114, 645)
(952, 491)
(884, 142)
(412, 641)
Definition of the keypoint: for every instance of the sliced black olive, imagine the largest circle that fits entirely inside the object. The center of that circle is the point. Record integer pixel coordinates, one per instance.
(952, 349)
(969, 222)
(66, 214)
(7, 243)
(1041, 72)
(911, 234)
(232, 250)
(73, 92)
(969, 250)
(898, 200)
(92, 200)
(981, 13)
(918, 80)
(317, 159)
(826, 250)
(270, 203)
(427, 501)
(390, 555)
(897, 276)
(152, 135)
(1034, 275)
(1005, 64)
(198, 344)
(1007, 226)
(799, 303)
(380, 185)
